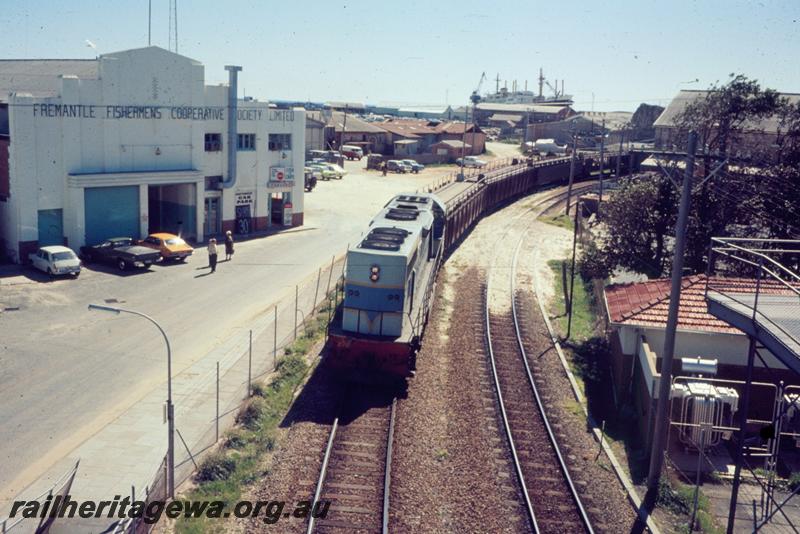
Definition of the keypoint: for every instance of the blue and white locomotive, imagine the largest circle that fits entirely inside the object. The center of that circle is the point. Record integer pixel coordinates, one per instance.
(388, 288)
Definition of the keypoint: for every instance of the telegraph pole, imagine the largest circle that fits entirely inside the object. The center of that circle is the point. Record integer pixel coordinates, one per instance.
(665, 382)
(572, 168)
(464, 140)
(602, 163)
(572, 270)
(344, 129)
(619, 154)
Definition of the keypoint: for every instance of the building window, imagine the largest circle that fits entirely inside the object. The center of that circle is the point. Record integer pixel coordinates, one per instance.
(280, 141)
(246, 142)
(213, 183)
(213, 142)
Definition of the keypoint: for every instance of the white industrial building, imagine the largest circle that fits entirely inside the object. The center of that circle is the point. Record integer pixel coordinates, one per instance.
(135, 142)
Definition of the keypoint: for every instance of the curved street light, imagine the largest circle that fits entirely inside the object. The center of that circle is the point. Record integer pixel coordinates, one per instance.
(170, 408)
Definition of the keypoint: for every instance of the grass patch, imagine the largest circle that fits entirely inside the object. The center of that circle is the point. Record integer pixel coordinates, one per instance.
(678, 499)
(562, 221)
(584, 317)
(589, 357)
(223, 475)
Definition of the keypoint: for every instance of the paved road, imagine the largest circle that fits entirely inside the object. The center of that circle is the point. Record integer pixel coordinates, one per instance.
(65, 372)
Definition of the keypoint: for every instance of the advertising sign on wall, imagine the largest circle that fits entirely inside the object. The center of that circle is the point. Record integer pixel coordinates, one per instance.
(281, 177)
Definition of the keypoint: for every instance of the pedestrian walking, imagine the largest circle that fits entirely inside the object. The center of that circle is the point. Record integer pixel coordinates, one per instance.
(228, 246)
(212, 254)
(383, 168)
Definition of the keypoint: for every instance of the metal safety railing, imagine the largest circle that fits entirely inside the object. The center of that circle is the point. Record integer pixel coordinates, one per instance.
(760, 276)
(60, 487)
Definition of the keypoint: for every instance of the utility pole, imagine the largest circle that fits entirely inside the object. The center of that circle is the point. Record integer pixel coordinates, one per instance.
(149, 20)
(665, 382)
(464, 140)
(602, 163)
(619, 154)
(344, 129)
(572, 271)
(474, 126)
(572, 168)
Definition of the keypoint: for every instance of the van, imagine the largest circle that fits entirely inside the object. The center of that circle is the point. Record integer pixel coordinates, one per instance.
(352, 152)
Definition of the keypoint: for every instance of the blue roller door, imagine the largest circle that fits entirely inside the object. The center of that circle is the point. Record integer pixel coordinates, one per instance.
(111, 212)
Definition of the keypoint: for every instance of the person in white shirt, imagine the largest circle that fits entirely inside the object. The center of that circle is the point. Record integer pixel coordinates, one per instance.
(212, 254)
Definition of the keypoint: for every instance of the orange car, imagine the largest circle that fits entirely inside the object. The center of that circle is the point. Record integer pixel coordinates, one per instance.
(171, 246)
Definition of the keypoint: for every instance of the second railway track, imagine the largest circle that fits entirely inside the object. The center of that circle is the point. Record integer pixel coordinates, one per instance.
(551, 500)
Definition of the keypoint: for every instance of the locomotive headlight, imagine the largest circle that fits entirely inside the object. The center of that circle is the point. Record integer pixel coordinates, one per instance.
(374, 273)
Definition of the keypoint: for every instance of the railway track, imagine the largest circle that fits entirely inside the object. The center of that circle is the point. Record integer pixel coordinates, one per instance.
(356, 469)
(550, 498)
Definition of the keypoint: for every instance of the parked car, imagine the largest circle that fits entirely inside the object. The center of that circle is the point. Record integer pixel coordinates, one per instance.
(171, 246)
(122, 252)
(324, 171)
(333, 156)
(56, 260)
(340, 172)
(415, 167)
(310, 179)
(471, 161)
(352, 152)
(396, 165)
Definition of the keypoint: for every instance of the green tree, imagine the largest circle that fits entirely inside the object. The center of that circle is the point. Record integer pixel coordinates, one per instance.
(755, 194)
(640, 217)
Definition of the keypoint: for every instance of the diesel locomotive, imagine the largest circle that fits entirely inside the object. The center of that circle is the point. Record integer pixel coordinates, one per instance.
(388, 288)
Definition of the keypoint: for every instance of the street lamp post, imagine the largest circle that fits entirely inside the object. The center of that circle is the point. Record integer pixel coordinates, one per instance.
(170, 407)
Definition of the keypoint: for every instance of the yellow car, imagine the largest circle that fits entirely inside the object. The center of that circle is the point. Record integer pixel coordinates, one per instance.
(171, 246)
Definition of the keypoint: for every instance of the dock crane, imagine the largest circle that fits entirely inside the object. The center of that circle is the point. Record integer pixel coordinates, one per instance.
(475, 97)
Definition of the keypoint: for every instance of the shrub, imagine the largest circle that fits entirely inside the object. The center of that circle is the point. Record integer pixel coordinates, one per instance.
(257, 390)
(235, 439)
(794, 480)
(673, 500)
(589, 357)
(216, 466)
(593, 263)
(250, 414)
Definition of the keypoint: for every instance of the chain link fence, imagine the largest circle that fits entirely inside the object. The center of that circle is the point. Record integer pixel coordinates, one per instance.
(209, 407)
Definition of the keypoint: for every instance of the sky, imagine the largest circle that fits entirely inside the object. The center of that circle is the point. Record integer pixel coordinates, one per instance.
(612, 55)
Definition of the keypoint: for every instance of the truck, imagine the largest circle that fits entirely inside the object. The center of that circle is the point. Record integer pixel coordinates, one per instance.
(549, 147)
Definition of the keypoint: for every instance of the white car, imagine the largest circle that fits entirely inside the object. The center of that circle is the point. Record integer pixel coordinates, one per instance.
(55, 260)
(471, 161)
(340, 172)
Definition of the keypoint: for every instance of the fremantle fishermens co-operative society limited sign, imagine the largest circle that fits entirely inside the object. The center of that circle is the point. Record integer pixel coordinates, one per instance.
(195, 113)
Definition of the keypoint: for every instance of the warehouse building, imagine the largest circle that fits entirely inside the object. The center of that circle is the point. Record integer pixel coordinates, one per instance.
(135, 142)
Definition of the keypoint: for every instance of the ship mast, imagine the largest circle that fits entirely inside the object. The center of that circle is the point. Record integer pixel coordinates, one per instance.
(541, 82)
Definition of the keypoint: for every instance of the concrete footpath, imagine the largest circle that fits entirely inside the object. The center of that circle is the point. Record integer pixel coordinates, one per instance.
(124, 457)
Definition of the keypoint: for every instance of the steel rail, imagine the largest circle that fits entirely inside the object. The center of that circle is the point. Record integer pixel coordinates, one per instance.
(387, 474)
(323, 471)
(504, 415)
(495, 377)
(387, 477)
(550, 434)
(553, 200)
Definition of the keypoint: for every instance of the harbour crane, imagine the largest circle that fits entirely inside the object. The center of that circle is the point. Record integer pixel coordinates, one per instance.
(476, 94)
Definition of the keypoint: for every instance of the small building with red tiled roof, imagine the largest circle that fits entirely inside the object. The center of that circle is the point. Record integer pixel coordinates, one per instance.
(637, 316)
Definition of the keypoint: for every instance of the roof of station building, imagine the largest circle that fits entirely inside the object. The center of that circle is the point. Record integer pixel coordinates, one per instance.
(647, 304)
